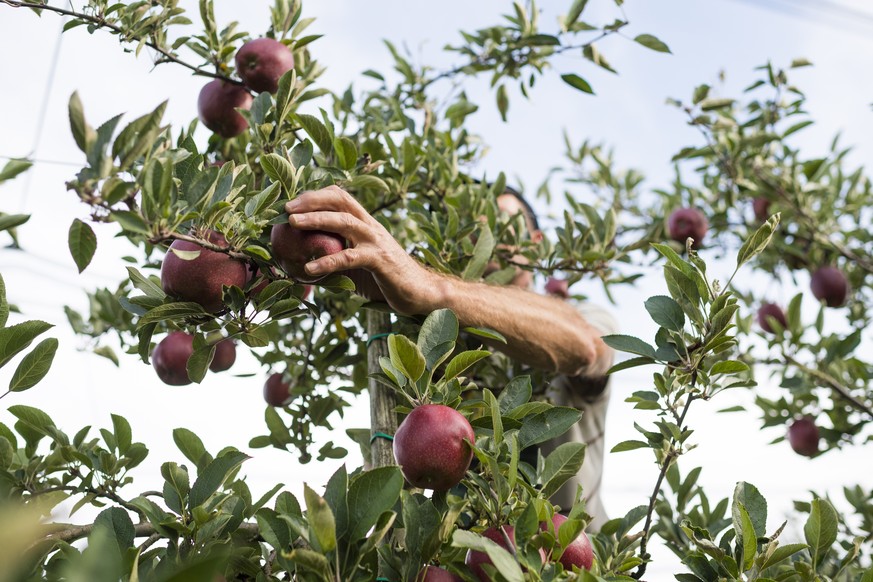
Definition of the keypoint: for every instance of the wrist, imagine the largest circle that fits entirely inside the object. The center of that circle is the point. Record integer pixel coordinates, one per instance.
(434, 291)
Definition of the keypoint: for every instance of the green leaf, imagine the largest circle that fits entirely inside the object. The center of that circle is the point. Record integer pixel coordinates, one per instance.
(666, 312)
(177, 310)
(371, 494)
(781, 553)
(630, 344)
(82, 242)
(317, 131)
(502, 101)
(278, 169)
(578, 82)
(145, 284)
(34, 418)
(486, 333)
(481, 255)
(123, 433)
(368, 182)
(322, 527)
(212, 477)
(462, 361)
(728, 367)
(517, 392)
(8, 221)
(198, 363)
(630, 363)
(651, 42)
(4, 304)
(759, 240)
(503, 561)
(273, 529)
(575, 12)
(547, 425)
(750, 539)
(192, 447)
(628, 446)
(820, 529)
(562, 464)
(34, 366)
(437, 336)
(17, 337)
(83, 133)
(138, 137)
(406, 356)
(754, 503)
(118, 525)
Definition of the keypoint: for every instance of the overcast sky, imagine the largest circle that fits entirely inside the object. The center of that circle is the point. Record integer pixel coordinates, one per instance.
(628, 113)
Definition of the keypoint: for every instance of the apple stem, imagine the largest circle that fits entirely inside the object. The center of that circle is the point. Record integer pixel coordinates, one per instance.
(832, 383)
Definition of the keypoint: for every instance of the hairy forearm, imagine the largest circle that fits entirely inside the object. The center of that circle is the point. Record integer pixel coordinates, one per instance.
(542, 332)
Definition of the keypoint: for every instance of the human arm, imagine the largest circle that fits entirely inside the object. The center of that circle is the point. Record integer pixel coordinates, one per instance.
(542, 332)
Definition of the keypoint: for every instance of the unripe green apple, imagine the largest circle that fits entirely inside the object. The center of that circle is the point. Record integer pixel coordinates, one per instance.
(430, 447)
(200, 279)
(170, 358)
(261, 62)
(217, 105)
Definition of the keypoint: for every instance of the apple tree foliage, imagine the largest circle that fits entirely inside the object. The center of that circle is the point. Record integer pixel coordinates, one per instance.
(404, 150)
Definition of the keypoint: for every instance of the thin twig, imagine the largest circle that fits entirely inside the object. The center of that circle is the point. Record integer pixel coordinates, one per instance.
(832, 383)
(654, 498)
(101, 23)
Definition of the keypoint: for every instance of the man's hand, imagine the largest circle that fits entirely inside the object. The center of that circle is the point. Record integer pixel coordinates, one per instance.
(540, 331)
(405, 284)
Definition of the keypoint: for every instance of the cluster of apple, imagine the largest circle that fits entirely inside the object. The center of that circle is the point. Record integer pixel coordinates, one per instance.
(431, 446)
(259, 63)
(827, 283)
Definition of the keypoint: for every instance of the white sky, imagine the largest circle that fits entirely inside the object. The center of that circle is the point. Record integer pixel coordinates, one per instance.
(628, 113)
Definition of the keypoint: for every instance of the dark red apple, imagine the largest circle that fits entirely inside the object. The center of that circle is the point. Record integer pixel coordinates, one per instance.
(276, 390)
(200, 279)
(435, 574)
(579, 552)
(217, 105)
(828, 284)
(225, 355)
(293, 248)
(475, 560)
(803, 436)
(688, 222)
(774, 311)
(170, 358)
(761, 208)
(260, 63)
(558, 287)
(430, 447)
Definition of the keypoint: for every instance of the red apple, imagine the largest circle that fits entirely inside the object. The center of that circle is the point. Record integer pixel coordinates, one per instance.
(276, 390)
(558, 287)
(225, 355)
(170, 358)
(217, 106)
(200, 279)
(293, 248)
(435, 574)
(761, 208)
(475, 560)
(430, 447)
(828, 284)
(688, 222)
(774, 311)
(579, 552)
(803, 436)
(260, 63)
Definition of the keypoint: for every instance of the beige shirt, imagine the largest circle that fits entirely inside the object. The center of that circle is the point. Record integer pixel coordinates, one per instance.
(576, 392)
